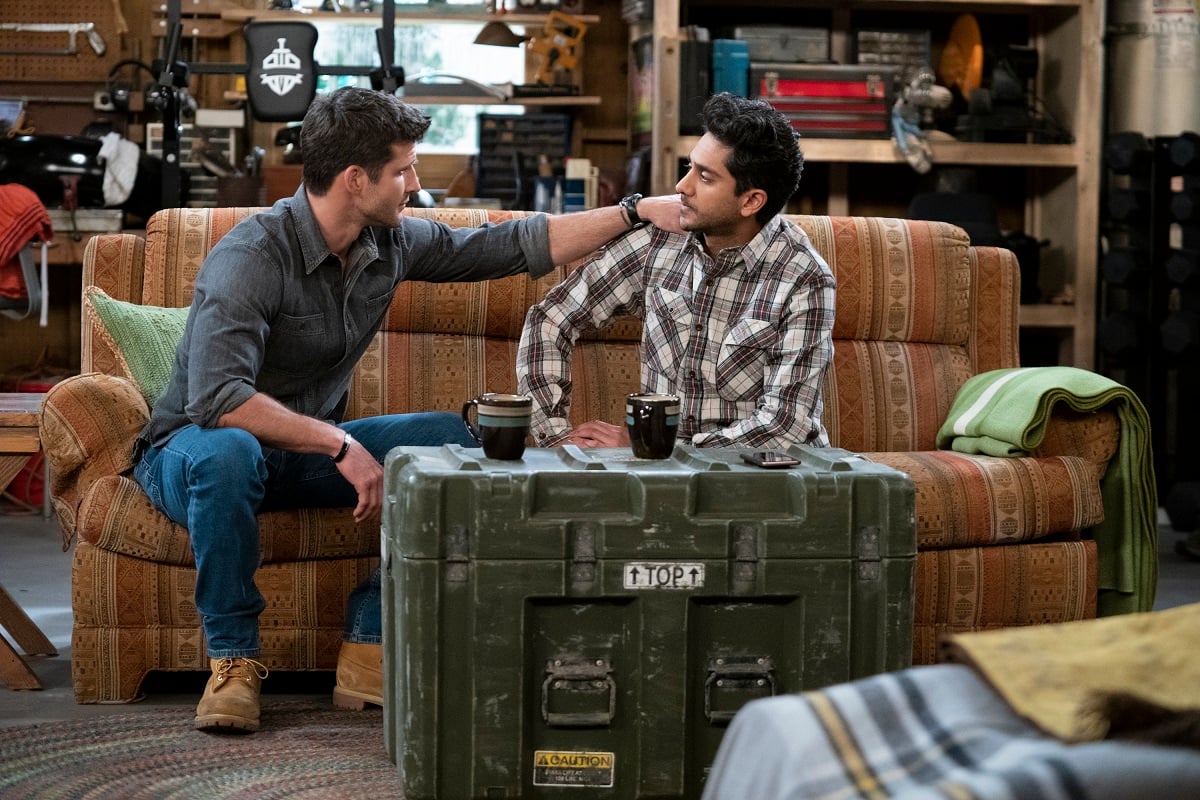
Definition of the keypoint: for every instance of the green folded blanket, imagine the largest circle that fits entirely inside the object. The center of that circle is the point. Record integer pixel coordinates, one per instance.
(1005, 412)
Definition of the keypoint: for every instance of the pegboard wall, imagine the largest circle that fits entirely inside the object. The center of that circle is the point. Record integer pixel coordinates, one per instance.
(34, 56)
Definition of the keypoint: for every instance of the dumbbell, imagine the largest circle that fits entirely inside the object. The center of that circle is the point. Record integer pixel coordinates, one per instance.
(1125, 204)
(1127, 152)
(1183, 267)
(1180, 332)
(1124, 266)
(1184, 152)
(1185, 205)
(1118, 334)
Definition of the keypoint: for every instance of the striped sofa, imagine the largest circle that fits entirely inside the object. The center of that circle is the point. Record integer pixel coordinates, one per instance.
(1001, 541)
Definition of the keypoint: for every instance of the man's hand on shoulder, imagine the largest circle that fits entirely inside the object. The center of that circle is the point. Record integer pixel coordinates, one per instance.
(576, 235)
(662, 211)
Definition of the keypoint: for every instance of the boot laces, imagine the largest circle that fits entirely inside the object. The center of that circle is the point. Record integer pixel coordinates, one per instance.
(240, 668)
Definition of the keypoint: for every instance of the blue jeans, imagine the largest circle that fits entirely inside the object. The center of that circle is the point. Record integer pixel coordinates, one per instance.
(215, 481)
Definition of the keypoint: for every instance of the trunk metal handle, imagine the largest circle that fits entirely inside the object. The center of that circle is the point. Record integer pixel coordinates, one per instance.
(737, 673)
(580, 676)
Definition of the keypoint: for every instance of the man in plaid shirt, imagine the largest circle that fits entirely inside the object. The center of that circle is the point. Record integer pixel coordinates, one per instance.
(737, 312)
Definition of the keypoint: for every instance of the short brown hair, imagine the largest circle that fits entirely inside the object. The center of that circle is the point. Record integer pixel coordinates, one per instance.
(355, 127)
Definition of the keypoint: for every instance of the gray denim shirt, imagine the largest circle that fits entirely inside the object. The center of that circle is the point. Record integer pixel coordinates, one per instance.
(273, 311)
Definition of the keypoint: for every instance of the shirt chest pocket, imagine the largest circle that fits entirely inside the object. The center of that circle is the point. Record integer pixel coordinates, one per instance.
(300, 345)
(742, 359)
(666, 330)
(376, 308)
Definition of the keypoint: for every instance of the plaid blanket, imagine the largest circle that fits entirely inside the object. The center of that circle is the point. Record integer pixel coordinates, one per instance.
(928, 732)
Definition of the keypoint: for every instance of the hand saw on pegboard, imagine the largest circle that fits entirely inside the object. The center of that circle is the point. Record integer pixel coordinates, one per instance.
(73, 42)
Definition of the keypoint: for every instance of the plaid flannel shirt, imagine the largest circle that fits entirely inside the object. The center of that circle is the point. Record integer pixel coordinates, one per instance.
(930, 733)
(747, 351)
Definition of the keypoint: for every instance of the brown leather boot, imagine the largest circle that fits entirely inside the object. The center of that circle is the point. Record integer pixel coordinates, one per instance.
(359, 676)
(230, 701)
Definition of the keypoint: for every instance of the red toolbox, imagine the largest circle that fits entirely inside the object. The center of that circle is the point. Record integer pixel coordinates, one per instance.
(829, 100)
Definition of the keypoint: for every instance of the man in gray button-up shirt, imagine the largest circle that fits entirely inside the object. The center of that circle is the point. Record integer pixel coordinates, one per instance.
(284, 306)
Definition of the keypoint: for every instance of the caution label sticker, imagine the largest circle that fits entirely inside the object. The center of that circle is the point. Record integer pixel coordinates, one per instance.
(572, 768)
(664, 575)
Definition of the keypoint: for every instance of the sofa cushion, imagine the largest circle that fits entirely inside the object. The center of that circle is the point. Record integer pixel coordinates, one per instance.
(961, 501)
(902, 329)
(177, 242)
(964, 500)
(897, 280)
(143, 337)
(891, 396)
(406, 372)
(963, 589)
(116, 515)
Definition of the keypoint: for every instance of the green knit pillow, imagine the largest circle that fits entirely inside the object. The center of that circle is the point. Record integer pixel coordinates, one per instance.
(143, 337)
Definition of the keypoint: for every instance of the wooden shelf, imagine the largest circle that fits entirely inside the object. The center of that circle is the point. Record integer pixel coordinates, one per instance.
(1048, 315)
(439, 100)
(968, 5)
(941, 6)
(883, 151)
(409, 15)
(436, 100)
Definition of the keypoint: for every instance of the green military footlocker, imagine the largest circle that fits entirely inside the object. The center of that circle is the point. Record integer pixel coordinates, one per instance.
(584, 624)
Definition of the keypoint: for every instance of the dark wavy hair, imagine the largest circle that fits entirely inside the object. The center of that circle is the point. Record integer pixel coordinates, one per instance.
(355, 127)
(764, 153)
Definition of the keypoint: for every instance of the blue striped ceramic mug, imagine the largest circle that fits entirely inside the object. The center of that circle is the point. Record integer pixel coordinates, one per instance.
(652, 421)
(503, 423)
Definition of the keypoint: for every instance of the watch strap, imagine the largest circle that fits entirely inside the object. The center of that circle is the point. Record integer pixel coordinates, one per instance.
(345, 449)
(629, 203)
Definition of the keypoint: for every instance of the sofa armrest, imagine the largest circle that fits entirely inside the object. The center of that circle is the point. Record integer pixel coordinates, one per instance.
(1003, 412)
(1091, 435)
(88, 425)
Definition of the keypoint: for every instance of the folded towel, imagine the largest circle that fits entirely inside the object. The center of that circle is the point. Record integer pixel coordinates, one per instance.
(23, 218)
(120, 157)
(1066, 677)
(1005, 412)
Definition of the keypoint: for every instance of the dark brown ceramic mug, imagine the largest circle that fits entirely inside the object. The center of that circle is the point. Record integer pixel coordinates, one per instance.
(652, 420)
(503, 424)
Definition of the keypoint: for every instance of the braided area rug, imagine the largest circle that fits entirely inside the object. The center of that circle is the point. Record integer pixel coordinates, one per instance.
(303, 750)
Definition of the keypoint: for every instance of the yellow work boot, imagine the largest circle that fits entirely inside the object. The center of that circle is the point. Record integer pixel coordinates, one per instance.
(359, 676)
(230, 700)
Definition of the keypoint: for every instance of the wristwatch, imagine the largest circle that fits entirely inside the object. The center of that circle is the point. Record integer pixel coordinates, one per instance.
(629, 203)
(345, 449)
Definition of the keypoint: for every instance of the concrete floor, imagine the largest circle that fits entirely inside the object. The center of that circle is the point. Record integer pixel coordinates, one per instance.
(37, 573)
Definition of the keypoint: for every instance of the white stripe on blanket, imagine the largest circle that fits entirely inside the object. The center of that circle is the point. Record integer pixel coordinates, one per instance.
(968, 416)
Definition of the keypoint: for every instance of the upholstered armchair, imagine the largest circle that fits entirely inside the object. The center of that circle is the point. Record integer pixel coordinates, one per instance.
(1001, 541)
